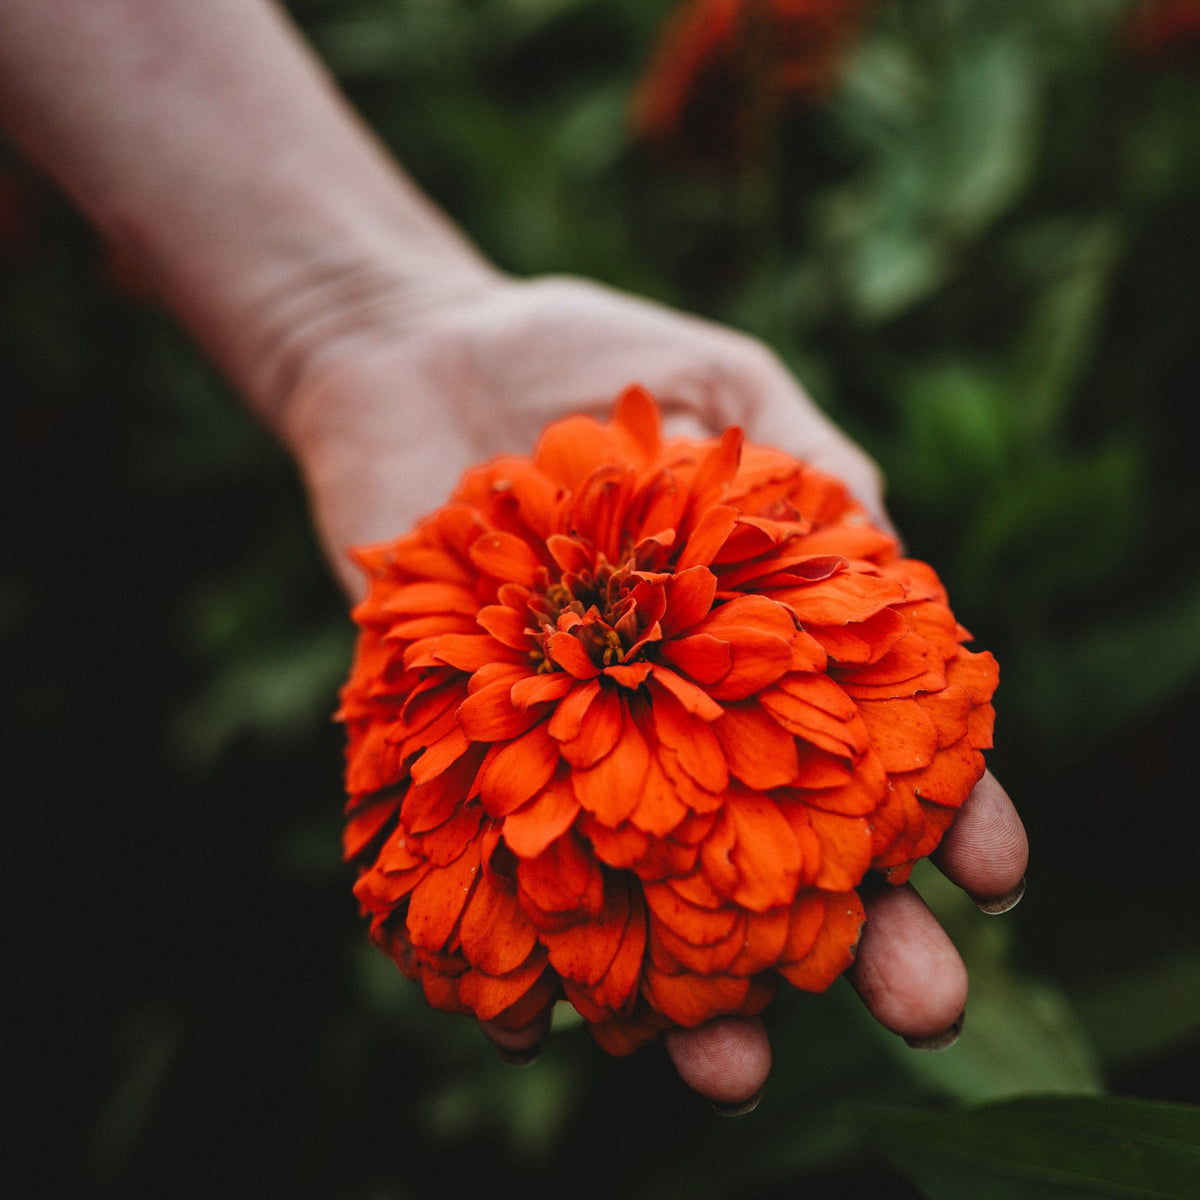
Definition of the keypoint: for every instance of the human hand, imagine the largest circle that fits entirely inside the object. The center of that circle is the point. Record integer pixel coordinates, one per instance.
(386, 414)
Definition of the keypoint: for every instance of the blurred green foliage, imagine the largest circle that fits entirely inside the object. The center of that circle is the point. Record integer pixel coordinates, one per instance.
(979, 255)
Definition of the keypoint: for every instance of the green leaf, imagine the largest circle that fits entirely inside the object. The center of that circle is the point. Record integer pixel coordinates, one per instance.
(1047, 1148)
(1166, 998)
(1132, 661)
(1057, 529)
(1076, 264)
(981, 150)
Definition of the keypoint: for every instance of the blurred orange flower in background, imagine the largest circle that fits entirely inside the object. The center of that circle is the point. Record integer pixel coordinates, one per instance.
(629, 721)
(1165, 33)
(723, 70)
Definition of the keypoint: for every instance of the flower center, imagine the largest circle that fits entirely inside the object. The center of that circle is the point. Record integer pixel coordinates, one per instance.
(612, 612)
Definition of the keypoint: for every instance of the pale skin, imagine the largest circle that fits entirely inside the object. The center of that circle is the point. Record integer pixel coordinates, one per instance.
(204, 140)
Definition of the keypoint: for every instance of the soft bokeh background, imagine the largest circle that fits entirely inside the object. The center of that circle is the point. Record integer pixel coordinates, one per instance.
(979, 252)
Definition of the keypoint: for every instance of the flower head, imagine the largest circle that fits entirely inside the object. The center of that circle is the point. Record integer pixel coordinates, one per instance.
(630, 720)
(723, 70)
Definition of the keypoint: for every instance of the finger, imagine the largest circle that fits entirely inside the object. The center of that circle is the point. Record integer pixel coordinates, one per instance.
(518, 1047)
(986, 851)
(727, 1060)
(908, 973)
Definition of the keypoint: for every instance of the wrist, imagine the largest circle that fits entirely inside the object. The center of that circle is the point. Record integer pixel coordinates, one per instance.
(316, 307)
(212, 150)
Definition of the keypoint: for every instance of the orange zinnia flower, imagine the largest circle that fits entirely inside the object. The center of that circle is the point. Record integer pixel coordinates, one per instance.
(723, 69)
(630, 720)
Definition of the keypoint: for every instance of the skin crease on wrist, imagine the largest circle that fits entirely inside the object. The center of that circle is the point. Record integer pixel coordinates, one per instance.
(316, 275)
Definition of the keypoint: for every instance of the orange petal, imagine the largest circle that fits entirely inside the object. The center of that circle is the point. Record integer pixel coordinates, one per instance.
(862, 641)
(372, 762)
(617, 990)
(570, 554)
(508, 557)
(981, 725)
(763, 940)
(430, 804)
(902, 733)
(832, 950)
(532, 1004)
(845, 597)
(508, 626)
(704, 657)
(909, 666)
(758, 751)
(567, 652)
(689, 999)
(489, 995)
(978, 673)
(585, 951)
(566, 723)
(695, 699)
(445, 752)
(658, 507)
(950, 712)
(430, 596)
(759, 632)
(845, 849)
(853, 541)
(670, 952)
(696, 924)
(948, 780)
(365, 822)
(445, 843)
(630, 676)
(636, 415)
(708, 536)
(463, 651)
(693, 741)
(618, 847)
(418, 558)
(665, 859)
(563, 879)
(531, 828)
(598, 728)
(841, 733)
(611, 789)
(540, 689)
(517, 770)
(696, 799)
(764, 852)
(861, 794)
(489, 714)
(621, 1036)
(719, 464)
(817, 768)
(690, 595)
(597, 510)
(807, 653)
(495, 934)
(417, 628)
(660, 809)
(437, 901)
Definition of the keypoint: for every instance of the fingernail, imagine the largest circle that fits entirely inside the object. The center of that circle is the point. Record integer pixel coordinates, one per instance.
(739, 1108)
(520, 1058)
(939, 1041)
(996, 905)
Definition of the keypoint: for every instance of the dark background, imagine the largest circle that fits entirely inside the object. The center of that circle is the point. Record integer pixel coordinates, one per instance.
(979, 254)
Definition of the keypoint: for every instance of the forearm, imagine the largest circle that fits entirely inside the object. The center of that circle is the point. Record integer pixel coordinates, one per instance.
(202, 138)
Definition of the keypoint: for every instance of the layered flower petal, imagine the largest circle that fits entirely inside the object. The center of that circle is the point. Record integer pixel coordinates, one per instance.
(630, 721)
